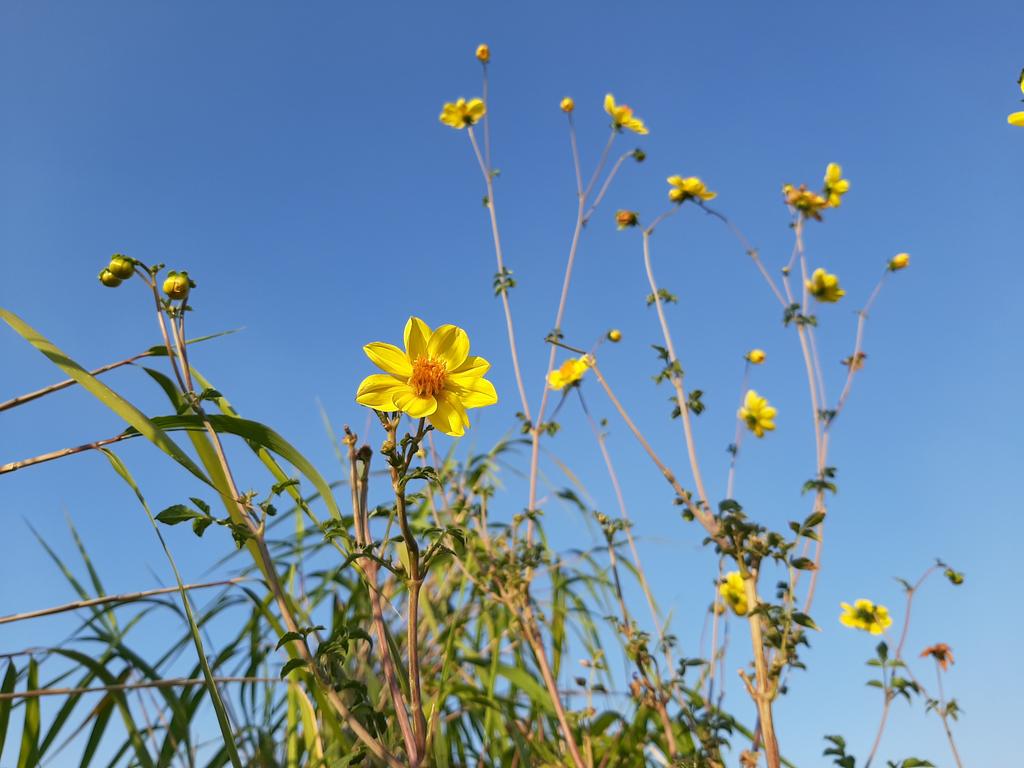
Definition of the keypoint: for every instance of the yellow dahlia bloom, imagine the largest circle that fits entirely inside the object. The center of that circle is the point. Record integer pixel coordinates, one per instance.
(732, 592)
(864, 614)
(623, 117)
(690, 187)
(756, 356)
(809, 203)
(825, 287)
(835, 185)
(899, 261)
(757, 414)
(463, 113)
(570, 372)
(435, 377)
(1016, 118)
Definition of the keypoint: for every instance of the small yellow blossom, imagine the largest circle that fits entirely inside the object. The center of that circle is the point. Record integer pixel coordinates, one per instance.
(615, 335)
(825, 287)
(757, 414)
(1016, 118)
(835, 185)
(567, 105)
(626, 219)
(462, 113)
(435, 377)
(899, 261)
(810, 204)
(732, 592)
(622, 116)
(483, 53)
(864, 614)
(756, 356)
(570, 372)
(691, 187)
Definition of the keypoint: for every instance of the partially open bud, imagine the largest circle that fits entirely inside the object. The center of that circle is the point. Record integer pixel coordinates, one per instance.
(177, 285)
(899, 261)
(109, 279)
(567, 105)
(615, 335)
(483, 53)
(626, 219)
(121, 266)
(756, 356)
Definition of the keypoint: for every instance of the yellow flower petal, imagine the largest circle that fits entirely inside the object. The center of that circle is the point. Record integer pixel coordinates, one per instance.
(450, 417)
(449, 343)
(417, 333)
(473, 368)
(417, 407)
(389, 358)
(1017, 118)
(609, 103)
(378, 390)
(477, 393)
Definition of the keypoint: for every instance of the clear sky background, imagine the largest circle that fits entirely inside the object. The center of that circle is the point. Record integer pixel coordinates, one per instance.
(289, 156)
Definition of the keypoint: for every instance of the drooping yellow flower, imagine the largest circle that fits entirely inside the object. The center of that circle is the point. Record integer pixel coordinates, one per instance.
(757, 414)
(462, 113)
(942, 654)
(570, 372)
(732, 592)
(835, 185)
(865, 615)
(623, 117)
(1016, 118)
(567, 105)
(691, 187)
(483, 53)
(825, 287)
(435, 377)
(899, 261)
(756, 356)
(809, 203)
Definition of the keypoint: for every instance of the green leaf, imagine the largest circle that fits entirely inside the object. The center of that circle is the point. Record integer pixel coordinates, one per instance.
(178, 513)
(10, 678)
(28, 757)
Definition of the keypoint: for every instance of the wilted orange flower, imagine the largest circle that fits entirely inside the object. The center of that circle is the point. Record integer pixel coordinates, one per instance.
(809, 203)
(942, 654)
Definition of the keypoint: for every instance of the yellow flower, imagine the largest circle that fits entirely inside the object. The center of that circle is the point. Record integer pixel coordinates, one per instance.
(567, 105)
(615, 335)
(622, 116)
(825, 287)
(1016, 118)
(690, 187)
(756, 356)
(757, 414)
(571, 371)
(122, 266)
(864, 614)
(810, 204)
(177, 285)
(435, 377)
(835, 185)
(899, 261)
(732, 592)
(483, 53)
(463, 113)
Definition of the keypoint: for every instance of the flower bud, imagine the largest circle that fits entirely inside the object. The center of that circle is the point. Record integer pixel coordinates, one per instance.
(899, 261)
(483, 53)
(177, 285)
(756, 356)
(626, 219)
(567, 105)
(639, 155)
(614, 335)
(109, 279)
(121, 266)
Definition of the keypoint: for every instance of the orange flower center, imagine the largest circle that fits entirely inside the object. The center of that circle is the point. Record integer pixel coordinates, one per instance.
(428, 376)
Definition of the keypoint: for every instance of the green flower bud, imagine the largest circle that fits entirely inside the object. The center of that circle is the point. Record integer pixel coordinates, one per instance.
(177, 285)
(121, 266)
(109, 279)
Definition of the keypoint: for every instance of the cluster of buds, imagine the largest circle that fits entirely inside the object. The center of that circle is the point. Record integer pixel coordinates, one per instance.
(120, 268)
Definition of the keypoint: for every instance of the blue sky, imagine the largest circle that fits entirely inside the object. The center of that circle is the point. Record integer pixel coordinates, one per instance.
(289, 156)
